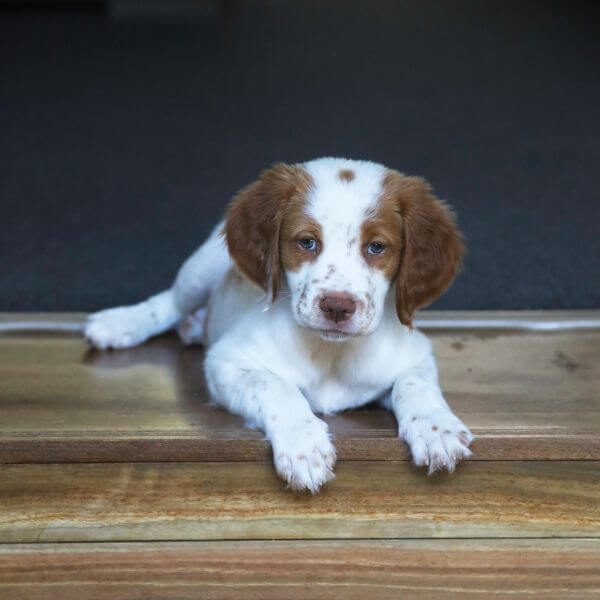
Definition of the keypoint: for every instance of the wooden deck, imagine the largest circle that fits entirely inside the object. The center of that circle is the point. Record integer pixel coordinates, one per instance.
(119, 480)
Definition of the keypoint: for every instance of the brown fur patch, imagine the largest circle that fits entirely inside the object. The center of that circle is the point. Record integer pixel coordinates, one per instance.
(432, 247)
(297, 226)
(346, 175)
(254, 222)
(385, 227)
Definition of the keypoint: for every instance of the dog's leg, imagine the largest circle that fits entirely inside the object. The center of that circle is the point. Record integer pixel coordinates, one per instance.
(303, 454)
(201, 273)
(126, 326)
(437, 438)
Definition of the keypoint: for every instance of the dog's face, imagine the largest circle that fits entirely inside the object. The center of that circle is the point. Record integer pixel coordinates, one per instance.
(342, 233)
(340, 249)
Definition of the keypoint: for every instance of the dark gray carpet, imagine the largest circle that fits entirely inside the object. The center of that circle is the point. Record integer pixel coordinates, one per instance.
(121, 142)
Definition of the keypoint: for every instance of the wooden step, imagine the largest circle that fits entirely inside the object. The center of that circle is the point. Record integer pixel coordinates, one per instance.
(526, 395)
(119, 480)
(201, 501)
(351, 569)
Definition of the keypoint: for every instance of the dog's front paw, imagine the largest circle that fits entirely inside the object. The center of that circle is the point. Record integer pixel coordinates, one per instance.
(120, 327)
(438, 440)
(304, 456)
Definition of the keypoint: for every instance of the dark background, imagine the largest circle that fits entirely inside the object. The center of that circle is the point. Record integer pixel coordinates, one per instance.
(123, 136)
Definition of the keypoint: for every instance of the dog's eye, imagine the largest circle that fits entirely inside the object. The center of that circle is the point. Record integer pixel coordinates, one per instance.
(375, 248)
(309, 244)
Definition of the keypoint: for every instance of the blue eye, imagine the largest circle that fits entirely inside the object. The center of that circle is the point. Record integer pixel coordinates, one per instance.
(308, 244)
(375, 248)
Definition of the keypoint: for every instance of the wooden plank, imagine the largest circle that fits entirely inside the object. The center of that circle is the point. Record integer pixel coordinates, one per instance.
(195, 501)
(552, 569)
(525, 395)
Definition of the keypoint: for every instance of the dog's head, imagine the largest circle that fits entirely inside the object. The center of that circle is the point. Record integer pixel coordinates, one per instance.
(341, 233)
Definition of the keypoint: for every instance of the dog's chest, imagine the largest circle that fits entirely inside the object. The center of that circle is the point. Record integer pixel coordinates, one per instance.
(330, 395)
(340, 377)
(336, 387)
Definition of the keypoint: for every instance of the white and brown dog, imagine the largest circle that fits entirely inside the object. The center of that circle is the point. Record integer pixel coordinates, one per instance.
(308, 309)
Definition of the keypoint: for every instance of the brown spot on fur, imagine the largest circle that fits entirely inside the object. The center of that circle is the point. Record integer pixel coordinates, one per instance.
(303, 295)
(346, 175)
(330, 271)
(255, 220)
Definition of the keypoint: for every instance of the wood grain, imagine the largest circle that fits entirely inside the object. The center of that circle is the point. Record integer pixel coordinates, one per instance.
(552, 569)
(195, 501)
(525, 395)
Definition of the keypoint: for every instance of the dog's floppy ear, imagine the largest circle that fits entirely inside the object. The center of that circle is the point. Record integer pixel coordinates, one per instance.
(432, 246)
(253, 224)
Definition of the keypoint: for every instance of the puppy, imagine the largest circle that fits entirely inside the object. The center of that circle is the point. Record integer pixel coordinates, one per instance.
(304, 298)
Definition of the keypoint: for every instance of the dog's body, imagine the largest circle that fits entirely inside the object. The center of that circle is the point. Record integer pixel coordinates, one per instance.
(325, 240)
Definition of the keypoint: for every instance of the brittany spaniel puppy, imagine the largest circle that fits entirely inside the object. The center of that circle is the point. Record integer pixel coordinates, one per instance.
(304, 298)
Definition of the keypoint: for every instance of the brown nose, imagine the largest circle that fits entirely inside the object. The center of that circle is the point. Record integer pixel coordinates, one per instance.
(337, 307)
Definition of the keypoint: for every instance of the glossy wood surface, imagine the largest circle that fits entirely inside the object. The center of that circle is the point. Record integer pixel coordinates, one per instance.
(526, 395)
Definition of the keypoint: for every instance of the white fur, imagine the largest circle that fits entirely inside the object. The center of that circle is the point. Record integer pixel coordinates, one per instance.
(274, 364)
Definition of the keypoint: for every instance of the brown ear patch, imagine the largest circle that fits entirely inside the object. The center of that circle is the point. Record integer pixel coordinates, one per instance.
(432, 246)
(254, 220)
